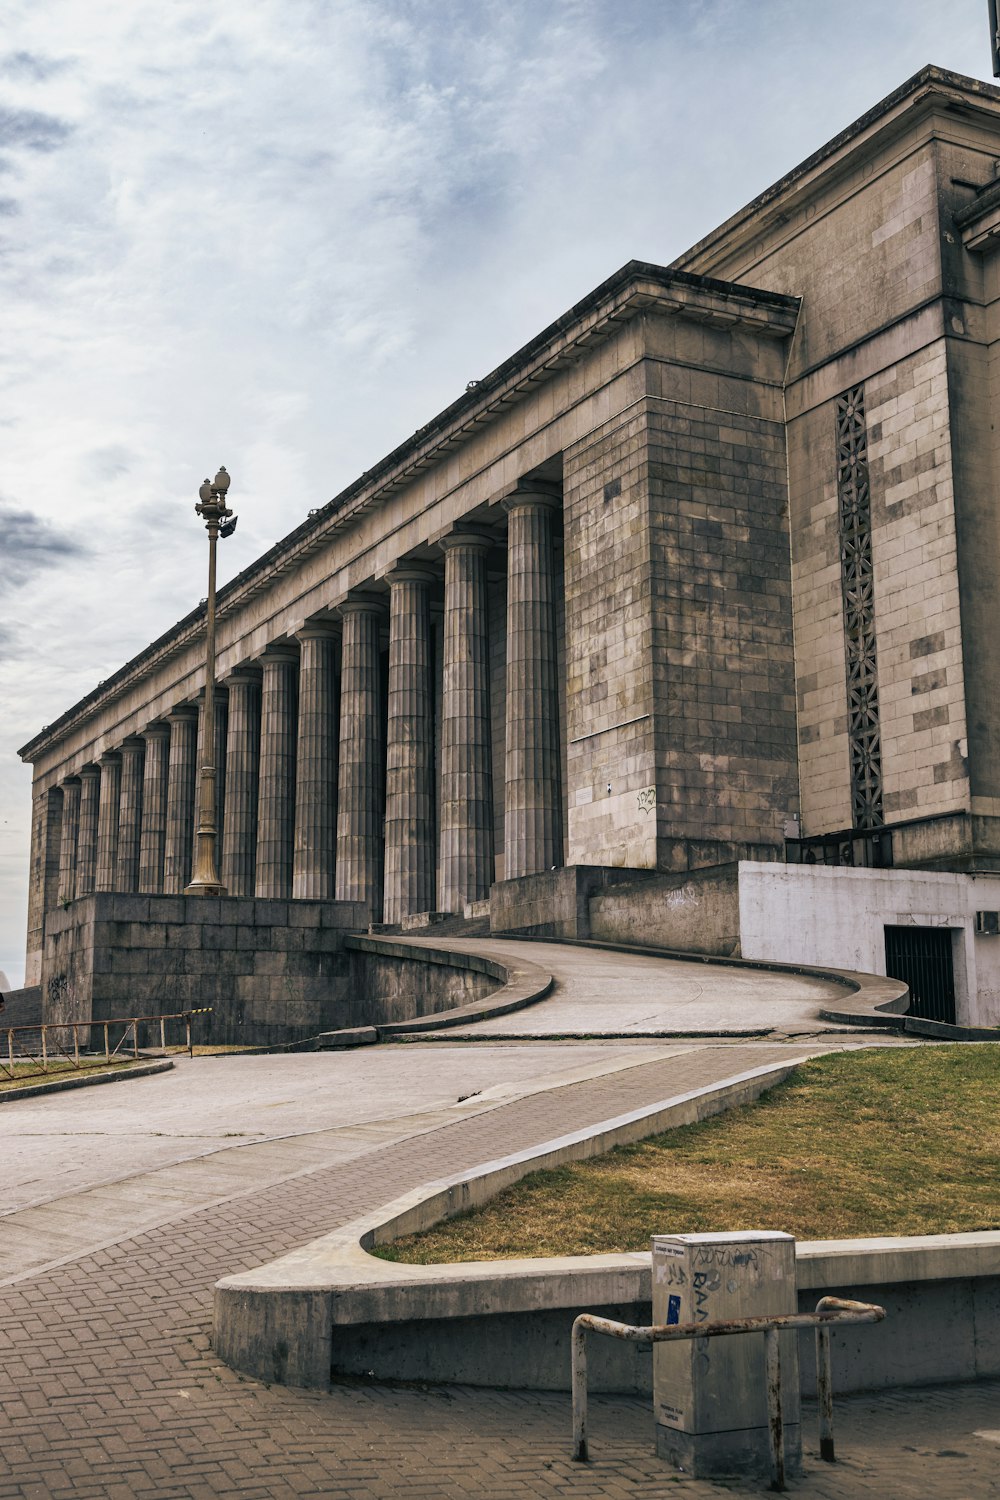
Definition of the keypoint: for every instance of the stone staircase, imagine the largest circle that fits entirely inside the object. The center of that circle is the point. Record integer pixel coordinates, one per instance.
(474, 922)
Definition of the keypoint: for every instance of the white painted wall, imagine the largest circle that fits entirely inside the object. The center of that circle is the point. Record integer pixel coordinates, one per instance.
(817, 915)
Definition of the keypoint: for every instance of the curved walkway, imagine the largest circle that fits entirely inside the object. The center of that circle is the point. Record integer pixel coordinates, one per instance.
(599, 992)
(109, 1387)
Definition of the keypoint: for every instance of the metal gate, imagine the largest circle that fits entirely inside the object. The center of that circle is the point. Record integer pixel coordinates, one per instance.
(921, 957)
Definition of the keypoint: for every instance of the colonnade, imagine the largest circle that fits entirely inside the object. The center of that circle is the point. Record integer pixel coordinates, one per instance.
(329, 789)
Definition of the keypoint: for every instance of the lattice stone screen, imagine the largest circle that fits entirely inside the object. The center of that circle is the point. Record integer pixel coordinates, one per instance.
(859, 609)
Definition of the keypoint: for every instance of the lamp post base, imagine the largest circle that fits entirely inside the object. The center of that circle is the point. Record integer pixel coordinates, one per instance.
(205, 877)
(205, 888)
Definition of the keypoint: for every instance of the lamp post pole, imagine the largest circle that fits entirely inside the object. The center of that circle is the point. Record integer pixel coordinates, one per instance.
(205, 880)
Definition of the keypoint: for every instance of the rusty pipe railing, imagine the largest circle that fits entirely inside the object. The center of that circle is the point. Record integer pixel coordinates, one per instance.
(43, 1044)
(829, 1310)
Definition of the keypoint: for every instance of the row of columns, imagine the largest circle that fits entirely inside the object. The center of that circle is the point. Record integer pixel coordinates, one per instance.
(326, 800)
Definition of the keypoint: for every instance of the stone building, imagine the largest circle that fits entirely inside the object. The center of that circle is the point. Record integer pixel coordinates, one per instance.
(706, 573)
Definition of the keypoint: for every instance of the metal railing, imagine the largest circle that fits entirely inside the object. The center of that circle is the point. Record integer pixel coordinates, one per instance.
(54, 1046)
(829, 1311)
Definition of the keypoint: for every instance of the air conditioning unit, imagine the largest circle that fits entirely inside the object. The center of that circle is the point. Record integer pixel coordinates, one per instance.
(988, 923)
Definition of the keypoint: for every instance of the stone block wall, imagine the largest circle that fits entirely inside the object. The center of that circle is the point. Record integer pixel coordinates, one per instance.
(610, 788)
(917, 614)
(918, 619)
(22, 1007)
(722, 646)
(680, 679)
(861, 249)
(720, 582)
(697, 912)
(556, 903)
(272, 971)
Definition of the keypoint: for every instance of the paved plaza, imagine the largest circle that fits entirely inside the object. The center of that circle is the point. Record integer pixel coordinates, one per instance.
(124, 1205)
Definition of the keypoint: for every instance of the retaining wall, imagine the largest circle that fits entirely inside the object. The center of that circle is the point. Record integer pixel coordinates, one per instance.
(273, 972)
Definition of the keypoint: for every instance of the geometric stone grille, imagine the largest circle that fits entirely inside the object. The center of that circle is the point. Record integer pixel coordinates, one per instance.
(859, 610)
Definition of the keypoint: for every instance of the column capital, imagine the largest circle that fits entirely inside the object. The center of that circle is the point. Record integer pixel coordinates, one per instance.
(470, 537)
(184, 713)
(318, 630)
(89, 771)
(157, 731)
(110, 758)
(533, 495)
(133, 742)
(362, 600)
(73, 780)
(279, 651)
(242, 676)
(406, 572)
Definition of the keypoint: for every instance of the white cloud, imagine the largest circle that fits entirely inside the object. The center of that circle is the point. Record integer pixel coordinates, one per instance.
(283, 235)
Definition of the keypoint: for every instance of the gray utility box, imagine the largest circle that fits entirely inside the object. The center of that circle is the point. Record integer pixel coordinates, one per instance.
(710, 1395)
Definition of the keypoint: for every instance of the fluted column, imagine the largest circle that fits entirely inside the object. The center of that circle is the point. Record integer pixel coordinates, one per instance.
(130, 816)
(316, 765)
(181, 779)
(276, 796)
(153, 834)
(409, 764)
(360, 791)
(68, 840)
(466, 814)
(107, 820)
(239, 834)
(86, 846)
(532, 810)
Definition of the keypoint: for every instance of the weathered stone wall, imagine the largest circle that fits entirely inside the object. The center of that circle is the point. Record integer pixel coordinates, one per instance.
(611, 777)
(917, 619)
(697, 912)
(22, 1007)
(721, 608)
(555, 903)
(384, 989)
(679, 673)
(272, 971)
(892, 302)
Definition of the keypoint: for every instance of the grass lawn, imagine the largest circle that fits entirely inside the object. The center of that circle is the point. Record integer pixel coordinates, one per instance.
(888, 1141)
(26, 1074)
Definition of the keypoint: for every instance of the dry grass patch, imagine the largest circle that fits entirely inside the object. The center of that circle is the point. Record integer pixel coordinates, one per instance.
(889, 1141)
(26, 1074)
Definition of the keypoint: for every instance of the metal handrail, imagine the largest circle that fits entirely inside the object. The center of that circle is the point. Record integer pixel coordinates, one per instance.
(829, 1310)
(51, 1041)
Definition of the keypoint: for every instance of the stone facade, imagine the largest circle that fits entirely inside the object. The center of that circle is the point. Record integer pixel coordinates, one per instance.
(710, 557)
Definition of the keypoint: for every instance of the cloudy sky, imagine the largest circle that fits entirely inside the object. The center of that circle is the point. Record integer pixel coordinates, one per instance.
(282, 235)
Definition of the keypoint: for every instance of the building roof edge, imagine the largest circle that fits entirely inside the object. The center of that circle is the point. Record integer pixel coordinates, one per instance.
(928, 79)
(607, 295)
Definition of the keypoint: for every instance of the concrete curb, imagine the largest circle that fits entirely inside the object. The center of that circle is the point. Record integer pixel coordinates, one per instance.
(871, 999)
(295, 1302)
(60, 1085)
(522, 983)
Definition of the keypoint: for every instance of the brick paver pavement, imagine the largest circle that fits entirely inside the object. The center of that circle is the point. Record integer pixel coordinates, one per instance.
(108, 1386)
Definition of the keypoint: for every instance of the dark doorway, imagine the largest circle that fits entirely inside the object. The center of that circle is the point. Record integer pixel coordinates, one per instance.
(921, 957)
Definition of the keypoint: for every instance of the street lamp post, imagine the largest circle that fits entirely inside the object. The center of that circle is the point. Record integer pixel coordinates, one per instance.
(205, 880)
